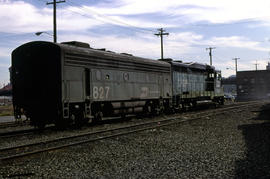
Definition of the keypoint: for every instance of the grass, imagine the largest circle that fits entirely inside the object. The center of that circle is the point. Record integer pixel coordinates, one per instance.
(6, 110)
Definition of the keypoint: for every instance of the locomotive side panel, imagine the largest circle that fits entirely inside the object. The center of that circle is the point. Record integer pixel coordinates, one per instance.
(116, 77)
(115, 85)
(191, 84)
(166, 87)
(73, 81)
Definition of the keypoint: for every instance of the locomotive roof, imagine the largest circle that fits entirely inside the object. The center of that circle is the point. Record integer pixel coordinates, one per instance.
(82, 49)
(107, 54)
(193, 65)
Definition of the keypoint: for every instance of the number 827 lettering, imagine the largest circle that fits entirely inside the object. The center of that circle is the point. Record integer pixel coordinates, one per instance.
(101, 92)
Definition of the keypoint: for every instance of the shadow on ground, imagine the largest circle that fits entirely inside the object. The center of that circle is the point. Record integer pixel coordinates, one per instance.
(257, 138)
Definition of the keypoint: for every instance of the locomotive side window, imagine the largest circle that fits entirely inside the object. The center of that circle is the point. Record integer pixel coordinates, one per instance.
(153, 78)
(126, 76)
(219, 76)
(98, 75)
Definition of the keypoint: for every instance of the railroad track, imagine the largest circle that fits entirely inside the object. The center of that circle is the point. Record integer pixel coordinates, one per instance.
(13, 124)
(10, 153)
(17, 133)
(23, 132)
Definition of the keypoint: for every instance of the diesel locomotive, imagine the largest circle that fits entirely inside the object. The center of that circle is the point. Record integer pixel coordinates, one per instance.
(70, 83)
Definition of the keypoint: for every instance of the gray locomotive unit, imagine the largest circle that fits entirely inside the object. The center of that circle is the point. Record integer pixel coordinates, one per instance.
(69, 83)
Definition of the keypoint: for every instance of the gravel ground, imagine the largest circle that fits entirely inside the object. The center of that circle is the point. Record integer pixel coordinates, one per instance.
(52, 133)
(6, 110)
(236, 145)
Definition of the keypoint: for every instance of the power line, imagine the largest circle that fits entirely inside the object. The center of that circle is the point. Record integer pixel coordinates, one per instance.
(76, 12)
(220, 59)
(248, 20)
(243, 21)
(111, 20)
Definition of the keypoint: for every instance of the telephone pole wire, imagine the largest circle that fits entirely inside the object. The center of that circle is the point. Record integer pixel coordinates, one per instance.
(210, 53)
(235, 59)
(161, 33)
(54, 18)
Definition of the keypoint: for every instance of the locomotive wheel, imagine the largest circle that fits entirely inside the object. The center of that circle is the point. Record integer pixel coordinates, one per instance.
(194, 104)
(148, 109)
(217, 104)
(61, 124)
(85, 120)
(40, 126)
(97, 117)
(184, 107)
(123, 116)
(38, 122)
(156, 110)
(180, 108)
(221, 101)
(77, 118)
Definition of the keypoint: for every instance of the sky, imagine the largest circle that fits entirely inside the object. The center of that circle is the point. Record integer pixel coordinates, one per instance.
(235, 28)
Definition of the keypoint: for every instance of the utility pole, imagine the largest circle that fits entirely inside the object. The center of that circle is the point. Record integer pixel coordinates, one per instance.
(235, 59)
(210, 53)
(4, 95)
(54, 18)
(256, 65)
(161, 33)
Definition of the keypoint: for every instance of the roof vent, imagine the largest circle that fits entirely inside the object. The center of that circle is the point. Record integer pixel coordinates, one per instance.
(128, 54)
(101, 49)
(166, 59)
(77, 44)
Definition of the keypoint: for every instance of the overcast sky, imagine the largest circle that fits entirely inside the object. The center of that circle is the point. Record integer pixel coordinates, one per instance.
(237, 28)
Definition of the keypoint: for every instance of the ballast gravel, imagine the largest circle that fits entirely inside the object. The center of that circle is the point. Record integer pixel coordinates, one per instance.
(233, 145)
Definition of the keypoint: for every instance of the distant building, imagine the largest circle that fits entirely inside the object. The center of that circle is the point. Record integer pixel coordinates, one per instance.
(6, 90)
(253, 85)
